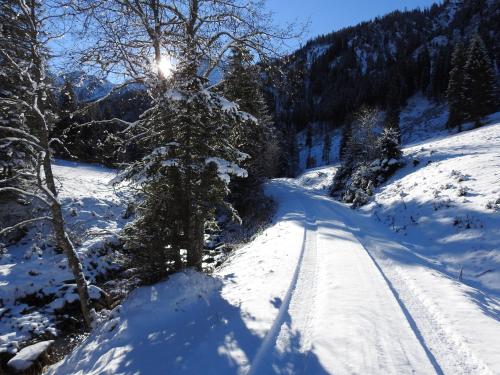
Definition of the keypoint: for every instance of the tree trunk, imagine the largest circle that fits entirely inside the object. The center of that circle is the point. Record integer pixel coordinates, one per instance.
(195, 250)
(63, 242)
(74, 263)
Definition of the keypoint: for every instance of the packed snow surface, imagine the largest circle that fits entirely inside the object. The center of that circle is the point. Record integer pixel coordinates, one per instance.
(328, 289)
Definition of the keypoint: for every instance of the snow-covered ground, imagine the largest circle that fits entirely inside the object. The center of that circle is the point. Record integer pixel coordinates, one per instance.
(328, 289)
(35, 283)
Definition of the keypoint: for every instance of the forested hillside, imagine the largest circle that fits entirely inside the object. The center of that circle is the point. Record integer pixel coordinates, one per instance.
(380, 63)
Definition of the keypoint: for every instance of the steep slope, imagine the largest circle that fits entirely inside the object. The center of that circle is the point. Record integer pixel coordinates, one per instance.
(386, 60)
(324, 290)
(446, 204)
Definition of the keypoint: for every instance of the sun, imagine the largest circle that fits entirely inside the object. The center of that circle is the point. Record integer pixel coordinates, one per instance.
(166, 66)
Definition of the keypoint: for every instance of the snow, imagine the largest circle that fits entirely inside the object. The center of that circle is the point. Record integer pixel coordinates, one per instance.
(93, 211)
(328, 289)
(28, 355)
(226, 169)
(87, 86)
(440, 205)
(316, 52)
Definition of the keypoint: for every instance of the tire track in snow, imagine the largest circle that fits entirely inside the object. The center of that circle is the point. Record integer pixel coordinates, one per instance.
(447, 352)
(298, 303)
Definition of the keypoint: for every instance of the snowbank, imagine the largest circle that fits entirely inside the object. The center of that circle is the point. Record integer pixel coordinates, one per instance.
(28, 355)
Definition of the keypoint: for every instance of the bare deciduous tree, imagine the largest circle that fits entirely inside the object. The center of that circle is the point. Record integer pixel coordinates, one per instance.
(32, 135)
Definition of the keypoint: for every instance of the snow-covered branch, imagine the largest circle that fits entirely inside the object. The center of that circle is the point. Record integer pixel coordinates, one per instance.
(24, 223)
(10, 189)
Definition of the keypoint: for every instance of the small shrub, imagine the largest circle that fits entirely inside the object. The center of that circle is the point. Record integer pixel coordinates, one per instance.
(462, 191)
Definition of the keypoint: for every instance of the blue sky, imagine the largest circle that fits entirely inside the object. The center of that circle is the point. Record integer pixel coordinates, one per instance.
(329, 15)
(324, 16)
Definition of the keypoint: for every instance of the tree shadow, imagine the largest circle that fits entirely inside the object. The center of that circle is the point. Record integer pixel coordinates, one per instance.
(191, 334)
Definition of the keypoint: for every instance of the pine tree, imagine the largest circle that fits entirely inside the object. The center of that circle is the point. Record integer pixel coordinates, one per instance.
(423, 70)
(256, 138)
(309, 137)
(389, 144)
(454, 93)
(327, 146)
(479, 94)
(187, 169)
(15, 158)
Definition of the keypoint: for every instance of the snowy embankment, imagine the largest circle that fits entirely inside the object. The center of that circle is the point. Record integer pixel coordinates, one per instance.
(328, 289)
(35, 283)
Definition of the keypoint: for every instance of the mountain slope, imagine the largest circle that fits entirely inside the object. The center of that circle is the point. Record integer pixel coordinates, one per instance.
(326, 289)
(390, 58)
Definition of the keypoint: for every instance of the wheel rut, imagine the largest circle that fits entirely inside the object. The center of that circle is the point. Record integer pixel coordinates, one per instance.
(291, 331)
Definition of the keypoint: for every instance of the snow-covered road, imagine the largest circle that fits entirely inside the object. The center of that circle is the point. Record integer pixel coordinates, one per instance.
(324, 290)
(364, 304)
(339, 307)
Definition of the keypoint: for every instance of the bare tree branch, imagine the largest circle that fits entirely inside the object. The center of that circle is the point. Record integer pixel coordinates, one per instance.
(24, 223)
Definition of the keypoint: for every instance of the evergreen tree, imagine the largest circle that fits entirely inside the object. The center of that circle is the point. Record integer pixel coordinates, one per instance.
(456, 87)
(423, 70)
(16, 159)
(186, 171)
(327, 146)
(441, 73)
(389, 144)
(308, 137)
(479, 94)
(242, 85)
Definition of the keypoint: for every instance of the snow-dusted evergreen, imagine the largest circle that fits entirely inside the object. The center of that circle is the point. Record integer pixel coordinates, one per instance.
(479, 94)
(369, 158)
(15, 158)
(192, 137)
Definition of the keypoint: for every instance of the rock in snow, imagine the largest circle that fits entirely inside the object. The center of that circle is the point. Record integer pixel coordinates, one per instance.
(28, 355)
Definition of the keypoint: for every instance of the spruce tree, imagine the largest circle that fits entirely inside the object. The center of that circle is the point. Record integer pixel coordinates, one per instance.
(327, 147)
(388, 144)
(242, 85)
(186, 171)
(16, 158)
(423, 70)
(454, 93)
(479, 94)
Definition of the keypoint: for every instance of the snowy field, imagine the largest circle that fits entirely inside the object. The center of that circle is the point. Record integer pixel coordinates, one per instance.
(408, 285)
(35, 282)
